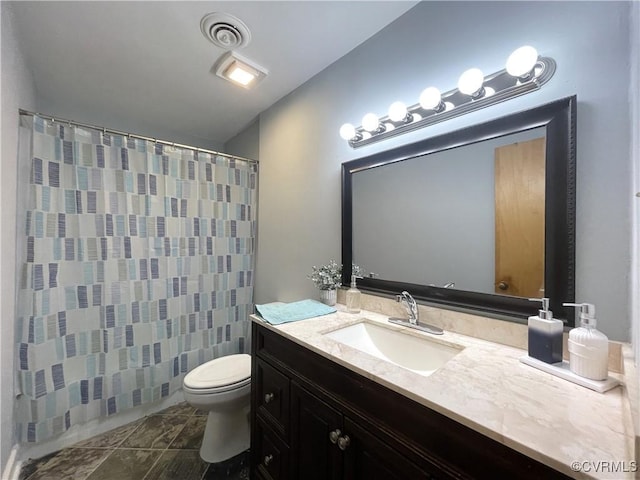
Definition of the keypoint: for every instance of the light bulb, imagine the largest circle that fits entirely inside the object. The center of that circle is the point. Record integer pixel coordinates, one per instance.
(430, 98)
(522, 61)
(370, 122)
(471, 81)
(397, 111)
(347, 131)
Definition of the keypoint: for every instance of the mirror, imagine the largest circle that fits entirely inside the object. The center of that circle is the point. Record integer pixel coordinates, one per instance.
(487, 211)
(457, 211)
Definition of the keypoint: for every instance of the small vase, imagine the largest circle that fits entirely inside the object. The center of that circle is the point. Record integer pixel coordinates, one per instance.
(329, 297)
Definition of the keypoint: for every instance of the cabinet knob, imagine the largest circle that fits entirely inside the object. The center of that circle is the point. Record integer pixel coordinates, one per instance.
(344, 442)
(268, 397)
(503, 285)
(267, 460)
(334, 436)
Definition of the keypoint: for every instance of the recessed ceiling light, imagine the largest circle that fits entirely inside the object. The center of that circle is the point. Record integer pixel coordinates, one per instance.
(239, 70)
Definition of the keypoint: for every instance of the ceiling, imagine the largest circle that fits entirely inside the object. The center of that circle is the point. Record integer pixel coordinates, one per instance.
(149, 62)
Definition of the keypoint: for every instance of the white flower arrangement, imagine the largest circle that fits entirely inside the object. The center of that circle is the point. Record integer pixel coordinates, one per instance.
(329, 277)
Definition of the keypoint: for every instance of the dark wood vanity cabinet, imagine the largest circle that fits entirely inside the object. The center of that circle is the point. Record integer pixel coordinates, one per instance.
(313, 419)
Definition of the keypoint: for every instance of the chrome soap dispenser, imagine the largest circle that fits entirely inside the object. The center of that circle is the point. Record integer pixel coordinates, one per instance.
(545, 334)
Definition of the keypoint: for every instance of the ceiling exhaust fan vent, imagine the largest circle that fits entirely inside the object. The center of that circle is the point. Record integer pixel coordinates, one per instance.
(225, 30)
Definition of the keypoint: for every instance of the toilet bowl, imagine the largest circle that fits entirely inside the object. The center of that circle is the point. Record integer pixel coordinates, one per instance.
(221, 387)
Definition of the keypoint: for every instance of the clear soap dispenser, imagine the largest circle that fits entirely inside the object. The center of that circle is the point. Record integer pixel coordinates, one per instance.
(588, 347)
(545, 334)
(354, 296)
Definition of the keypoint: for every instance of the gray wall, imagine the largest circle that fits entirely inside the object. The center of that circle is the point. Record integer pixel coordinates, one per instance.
(301, 152)
(635, 155)
(247, 143)
(431, 219)
(18, 91)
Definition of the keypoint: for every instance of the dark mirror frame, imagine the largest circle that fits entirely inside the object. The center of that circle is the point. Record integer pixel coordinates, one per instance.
(559, 118)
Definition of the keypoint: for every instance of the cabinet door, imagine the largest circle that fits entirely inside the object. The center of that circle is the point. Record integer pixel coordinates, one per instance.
(313, 426)
(269, 454)
(272, 396)
(368, 458)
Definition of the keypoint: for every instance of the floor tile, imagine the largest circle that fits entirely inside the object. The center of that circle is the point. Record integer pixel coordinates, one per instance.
(236, 468)
(157, 431)
(110, 439)
(178, 464)
(125, 464)
(159, 447)
(30, 466)
(70, 463)
(180, 409)
(191, 435)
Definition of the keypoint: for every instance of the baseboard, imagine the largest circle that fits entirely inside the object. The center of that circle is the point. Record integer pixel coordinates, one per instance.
(13, 466)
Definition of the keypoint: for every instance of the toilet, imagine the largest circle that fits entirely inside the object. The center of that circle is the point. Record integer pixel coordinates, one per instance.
(222, 387)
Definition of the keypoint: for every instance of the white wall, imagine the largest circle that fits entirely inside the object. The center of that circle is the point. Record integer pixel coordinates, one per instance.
(17, 92)
(301, 152)
(78, 113)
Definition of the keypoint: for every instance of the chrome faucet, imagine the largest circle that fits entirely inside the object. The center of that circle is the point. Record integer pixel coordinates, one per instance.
(410, 304)
(446, 285)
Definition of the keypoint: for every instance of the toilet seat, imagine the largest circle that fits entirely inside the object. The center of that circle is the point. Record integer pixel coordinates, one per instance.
(210, 390)
(219, 375)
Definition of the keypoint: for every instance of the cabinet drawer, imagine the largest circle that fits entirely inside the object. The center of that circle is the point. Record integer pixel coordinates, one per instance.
(272, 397)
(268, 344)
(269, 454)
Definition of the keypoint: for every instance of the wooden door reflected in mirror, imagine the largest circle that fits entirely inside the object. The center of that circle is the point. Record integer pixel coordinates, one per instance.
(519, 218)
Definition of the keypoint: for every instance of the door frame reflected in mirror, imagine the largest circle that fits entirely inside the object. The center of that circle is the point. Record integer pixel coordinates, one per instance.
(559, 119)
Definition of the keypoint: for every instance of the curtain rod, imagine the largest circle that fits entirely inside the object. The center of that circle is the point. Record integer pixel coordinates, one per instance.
(133, 135)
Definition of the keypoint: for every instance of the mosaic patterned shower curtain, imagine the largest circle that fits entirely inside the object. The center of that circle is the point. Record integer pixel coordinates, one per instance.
(138, 266)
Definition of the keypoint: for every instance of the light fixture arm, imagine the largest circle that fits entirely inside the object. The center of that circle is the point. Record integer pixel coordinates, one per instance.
(497, 87)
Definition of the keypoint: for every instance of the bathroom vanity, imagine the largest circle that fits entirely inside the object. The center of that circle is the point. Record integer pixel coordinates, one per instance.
(322, 409)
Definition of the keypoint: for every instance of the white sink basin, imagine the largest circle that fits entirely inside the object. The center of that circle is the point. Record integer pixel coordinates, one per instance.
(418, 354)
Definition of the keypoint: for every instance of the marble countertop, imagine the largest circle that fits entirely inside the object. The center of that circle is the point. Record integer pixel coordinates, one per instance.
(485, 387)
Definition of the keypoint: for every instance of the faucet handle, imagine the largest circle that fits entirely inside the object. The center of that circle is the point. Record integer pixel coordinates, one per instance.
(410, 304)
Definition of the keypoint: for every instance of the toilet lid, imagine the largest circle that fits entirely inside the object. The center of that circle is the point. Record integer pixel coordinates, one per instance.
(220, 372)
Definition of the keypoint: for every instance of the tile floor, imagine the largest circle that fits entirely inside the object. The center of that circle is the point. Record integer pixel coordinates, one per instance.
(163, 446)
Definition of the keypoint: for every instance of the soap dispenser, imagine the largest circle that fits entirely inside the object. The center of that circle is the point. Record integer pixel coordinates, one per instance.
(545, 334)
(588, 347)
(354, 296)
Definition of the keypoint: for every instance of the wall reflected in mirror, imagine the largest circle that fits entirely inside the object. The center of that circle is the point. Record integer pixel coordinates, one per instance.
(471, 217)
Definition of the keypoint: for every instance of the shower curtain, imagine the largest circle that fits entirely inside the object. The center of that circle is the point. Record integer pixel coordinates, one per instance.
(137, 267)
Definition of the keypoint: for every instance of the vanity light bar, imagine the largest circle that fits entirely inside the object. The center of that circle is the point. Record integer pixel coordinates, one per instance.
(525, 72)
